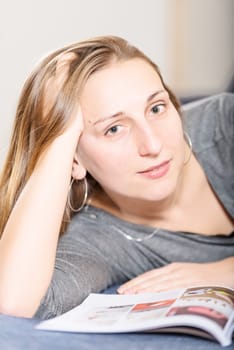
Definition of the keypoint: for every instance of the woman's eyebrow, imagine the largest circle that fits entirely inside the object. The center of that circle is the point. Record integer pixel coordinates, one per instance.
(107, 118)
(151, 97)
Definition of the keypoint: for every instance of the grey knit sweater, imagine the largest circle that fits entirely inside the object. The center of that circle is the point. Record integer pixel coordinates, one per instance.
(93, 255)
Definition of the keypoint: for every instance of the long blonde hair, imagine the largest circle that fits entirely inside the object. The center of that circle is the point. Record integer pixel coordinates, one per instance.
(34, 129)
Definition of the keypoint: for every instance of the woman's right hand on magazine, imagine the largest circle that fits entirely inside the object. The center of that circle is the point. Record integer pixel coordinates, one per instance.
(30, 237)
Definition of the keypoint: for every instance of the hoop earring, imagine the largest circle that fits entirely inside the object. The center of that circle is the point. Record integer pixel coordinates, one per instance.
(189, 142)
(84, 199)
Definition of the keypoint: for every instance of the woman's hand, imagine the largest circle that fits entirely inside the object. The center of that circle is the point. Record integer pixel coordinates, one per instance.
(182, 275)
(53, 87)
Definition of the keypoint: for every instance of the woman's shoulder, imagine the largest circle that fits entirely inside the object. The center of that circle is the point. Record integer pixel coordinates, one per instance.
(90, 225)
(209, 120)
(210, 124)
(223, 102)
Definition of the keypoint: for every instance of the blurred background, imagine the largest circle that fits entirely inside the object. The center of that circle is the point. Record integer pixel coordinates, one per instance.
(192, 41)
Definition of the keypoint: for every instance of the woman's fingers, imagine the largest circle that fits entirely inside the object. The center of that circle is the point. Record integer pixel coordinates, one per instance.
(173, 276)
(57, 80)
(158, 274)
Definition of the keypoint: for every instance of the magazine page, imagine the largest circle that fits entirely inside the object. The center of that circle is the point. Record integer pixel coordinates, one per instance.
(208, 308)
(112, 313)
(212, 308)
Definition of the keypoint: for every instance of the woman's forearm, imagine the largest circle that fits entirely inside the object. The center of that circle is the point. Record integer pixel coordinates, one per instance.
(29, 241)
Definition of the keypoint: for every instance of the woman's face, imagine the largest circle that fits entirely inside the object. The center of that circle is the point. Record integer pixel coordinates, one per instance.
(132, 142)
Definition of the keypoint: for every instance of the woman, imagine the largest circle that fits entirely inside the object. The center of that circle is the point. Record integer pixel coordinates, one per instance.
(98, 132)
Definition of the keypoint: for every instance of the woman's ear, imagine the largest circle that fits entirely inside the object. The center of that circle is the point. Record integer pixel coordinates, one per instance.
(78, 170)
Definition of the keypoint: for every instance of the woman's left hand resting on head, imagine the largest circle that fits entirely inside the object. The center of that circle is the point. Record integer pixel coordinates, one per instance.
(182, 275)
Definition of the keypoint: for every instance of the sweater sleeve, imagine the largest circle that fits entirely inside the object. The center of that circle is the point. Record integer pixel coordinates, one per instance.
(79, 270)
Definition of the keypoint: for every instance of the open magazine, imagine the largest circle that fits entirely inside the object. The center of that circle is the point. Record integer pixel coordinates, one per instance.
(203, 311)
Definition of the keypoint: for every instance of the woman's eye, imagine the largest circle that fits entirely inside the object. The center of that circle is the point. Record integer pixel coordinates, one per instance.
(158, 108)
(113, 130)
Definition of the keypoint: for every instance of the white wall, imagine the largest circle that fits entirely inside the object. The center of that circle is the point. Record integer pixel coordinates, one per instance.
(191, 40)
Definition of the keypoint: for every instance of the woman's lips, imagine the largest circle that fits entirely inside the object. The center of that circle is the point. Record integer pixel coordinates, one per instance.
(157, 171)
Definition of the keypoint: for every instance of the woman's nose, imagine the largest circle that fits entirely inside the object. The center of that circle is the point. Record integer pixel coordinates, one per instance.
(149, 144)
